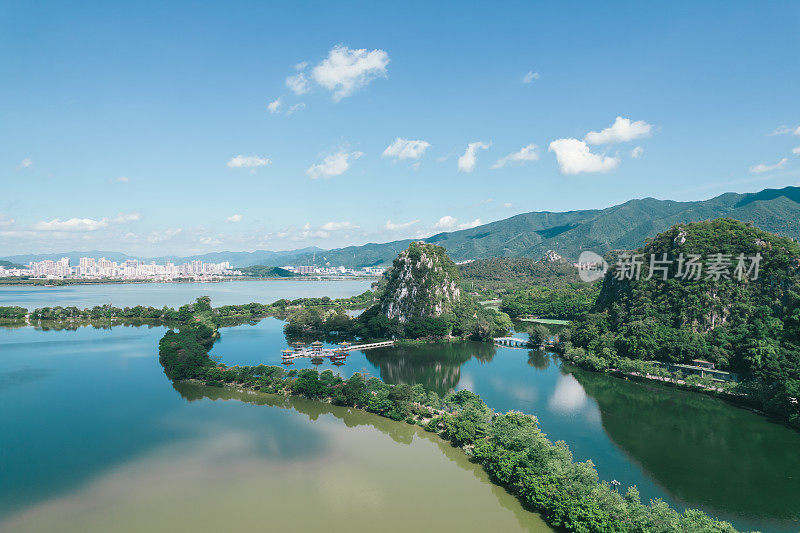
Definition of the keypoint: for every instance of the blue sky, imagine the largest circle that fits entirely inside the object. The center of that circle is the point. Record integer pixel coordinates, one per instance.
(121, 124)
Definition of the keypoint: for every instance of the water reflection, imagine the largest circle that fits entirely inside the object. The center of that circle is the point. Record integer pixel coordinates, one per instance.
(701, 450)
(436, 366)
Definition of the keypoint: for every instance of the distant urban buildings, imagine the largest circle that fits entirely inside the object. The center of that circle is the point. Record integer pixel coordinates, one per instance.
(313, 270)
(90, 268)
(133, 269)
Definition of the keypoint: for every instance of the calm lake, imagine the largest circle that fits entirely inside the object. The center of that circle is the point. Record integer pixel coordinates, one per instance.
(95, 437)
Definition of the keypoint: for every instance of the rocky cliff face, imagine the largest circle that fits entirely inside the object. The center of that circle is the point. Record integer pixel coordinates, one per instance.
(423, 283)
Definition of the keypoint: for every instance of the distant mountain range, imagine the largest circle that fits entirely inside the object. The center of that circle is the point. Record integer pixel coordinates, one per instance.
(623, 226)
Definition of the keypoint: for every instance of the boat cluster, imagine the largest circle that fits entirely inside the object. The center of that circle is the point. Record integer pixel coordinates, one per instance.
(316, 351)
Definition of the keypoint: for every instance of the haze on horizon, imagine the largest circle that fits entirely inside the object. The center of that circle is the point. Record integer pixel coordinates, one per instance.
(181, 129)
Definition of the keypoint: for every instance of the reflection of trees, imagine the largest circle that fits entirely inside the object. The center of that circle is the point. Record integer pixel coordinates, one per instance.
(436, 366)
(102, 323)
(538, 359)
(399, 431)
(701, 449)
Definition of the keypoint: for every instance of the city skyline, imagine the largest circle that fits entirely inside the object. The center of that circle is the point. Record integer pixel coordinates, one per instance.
(239, 133)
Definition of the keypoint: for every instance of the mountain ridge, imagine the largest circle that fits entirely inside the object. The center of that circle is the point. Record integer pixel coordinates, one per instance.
(623, 226)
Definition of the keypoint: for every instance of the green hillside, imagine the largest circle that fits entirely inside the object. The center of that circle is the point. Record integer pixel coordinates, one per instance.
(748, 324)
(9, 264)
(624, 226)
(261, 271)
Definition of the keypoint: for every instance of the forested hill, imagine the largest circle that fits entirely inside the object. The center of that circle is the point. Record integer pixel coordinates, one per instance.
(745, 321)
(623, 226)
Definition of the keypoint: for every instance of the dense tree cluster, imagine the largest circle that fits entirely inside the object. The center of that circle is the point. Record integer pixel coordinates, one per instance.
(567, 303)
(502, 275)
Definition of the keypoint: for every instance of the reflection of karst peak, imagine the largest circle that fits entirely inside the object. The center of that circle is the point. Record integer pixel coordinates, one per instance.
(436, 366)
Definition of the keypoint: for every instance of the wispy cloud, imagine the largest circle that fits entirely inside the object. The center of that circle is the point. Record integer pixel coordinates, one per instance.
(275, 105)
(25, 163)
(339, 226)
(298, 83)
(124, 218)
(295, 108)
(402, 149)
(394, 226)
(520, 157)
(333, 165)
(234, 218)
(72, 224)
(783, 129)
(248, 161)
(637, 152)
(123, 179)
(530, 76)
(762, 167)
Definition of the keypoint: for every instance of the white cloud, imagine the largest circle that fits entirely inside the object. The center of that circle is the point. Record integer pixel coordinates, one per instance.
(307, 233)
(575, 157)
(345, 71)
(783, 129)
(338, 226)
(637, 152)
(622, 130)
(525, 154)
(72, 224)
(530, 76)
(333, 165)
(796, 150)
(248, 161)
(394, 226)
(298, 83)
(301, 65)
(295, 108)
(406, 149)
(234, 218)
(275, 105)
(466, 163)
(123, 218)
(446, 222)
(156, 237)
(123, 179)
(468, 225)
(507, 204)
(6, 221)
(25, 163)
(761, 167)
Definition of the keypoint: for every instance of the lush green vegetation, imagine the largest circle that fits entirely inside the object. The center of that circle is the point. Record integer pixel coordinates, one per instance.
(568, 302)
(9, 264)
(751, 327)
(497, 276)
(13, 312)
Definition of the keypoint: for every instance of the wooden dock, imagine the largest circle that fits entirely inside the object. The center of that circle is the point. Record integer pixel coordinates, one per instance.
(316, 350)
